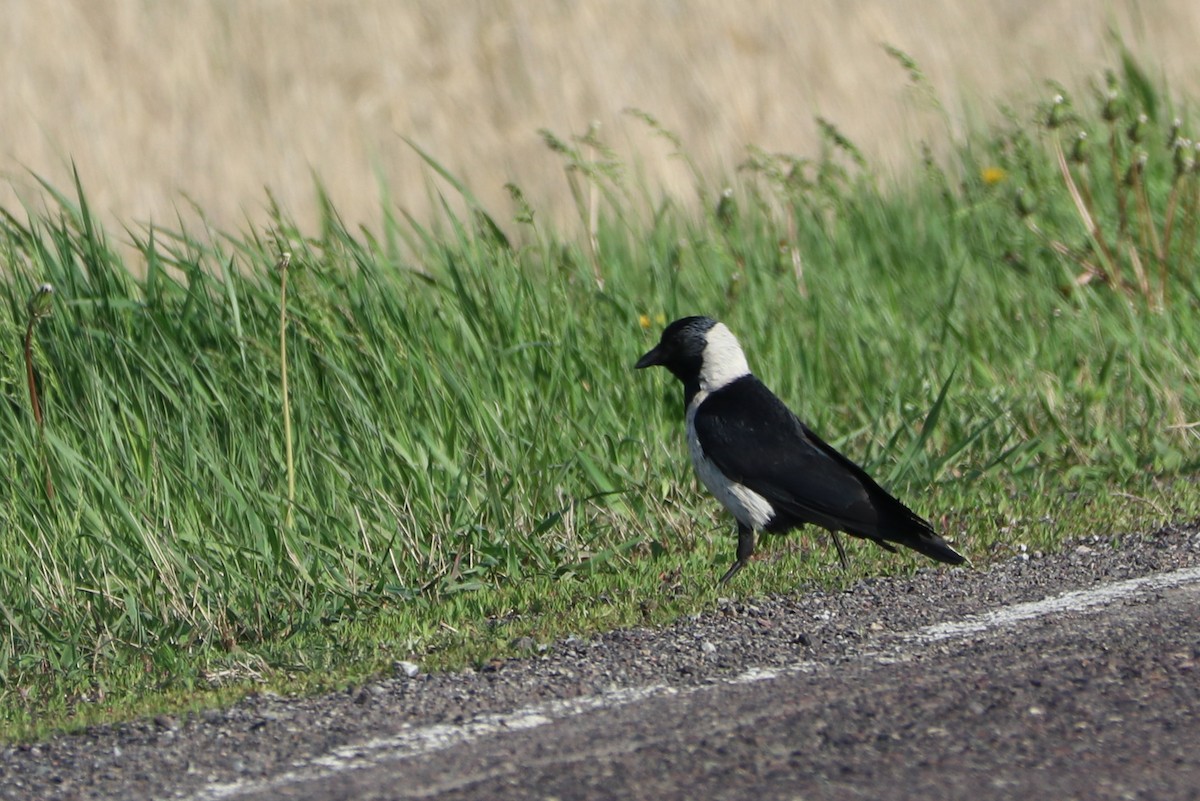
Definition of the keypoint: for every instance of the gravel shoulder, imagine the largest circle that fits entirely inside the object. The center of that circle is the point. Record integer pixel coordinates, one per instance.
(267, 735)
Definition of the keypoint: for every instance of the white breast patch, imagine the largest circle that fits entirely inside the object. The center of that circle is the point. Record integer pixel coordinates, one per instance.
(750, 508)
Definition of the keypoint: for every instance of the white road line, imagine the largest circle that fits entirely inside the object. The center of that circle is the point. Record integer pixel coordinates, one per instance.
(416, 741)
(1076, 601)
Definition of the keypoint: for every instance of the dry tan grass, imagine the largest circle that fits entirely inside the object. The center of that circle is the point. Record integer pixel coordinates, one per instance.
(154, 98)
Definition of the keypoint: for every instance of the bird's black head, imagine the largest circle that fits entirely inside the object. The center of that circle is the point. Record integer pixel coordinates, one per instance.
(681, 348)
(701, 353)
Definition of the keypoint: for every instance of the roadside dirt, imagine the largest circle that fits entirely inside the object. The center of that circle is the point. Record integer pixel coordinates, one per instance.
(829, 716)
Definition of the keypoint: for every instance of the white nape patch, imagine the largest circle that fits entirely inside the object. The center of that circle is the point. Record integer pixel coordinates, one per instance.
(750, 508)
(722, 361)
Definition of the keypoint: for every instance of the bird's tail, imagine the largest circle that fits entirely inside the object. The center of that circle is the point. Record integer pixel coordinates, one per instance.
(915, 534)
(929, 543)
(902, 526)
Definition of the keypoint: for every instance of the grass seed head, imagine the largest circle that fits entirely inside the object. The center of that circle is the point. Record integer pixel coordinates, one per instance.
(1058, 113)
(1182, 154)
(1079, 150)
(1173, 136)
(41, 302)
(1137, 129)
(1112, 107)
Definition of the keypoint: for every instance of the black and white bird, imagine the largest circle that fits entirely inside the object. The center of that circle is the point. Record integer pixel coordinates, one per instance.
(763, 464)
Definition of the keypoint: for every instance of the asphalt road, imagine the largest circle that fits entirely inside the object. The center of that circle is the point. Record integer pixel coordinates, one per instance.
(1068, 676)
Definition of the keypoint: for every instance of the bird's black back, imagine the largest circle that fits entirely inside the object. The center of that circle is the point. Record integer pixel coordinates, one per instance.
(755, 440)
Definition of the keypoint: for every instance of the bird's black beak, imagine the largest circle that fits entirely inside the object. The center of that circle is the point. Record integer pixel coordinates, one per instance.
(653, 357)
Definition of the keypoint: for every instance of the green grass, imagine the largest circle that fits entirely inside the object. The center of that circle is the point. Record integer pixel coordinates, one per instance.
(476, 461)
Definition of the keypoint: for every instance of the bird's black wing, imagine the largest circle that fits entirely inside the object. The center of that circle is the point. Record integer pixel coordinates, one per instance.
(757, 441)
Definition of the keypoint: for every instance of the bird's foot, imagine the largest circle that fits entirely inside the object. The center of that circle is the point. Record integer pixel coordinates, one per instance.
(841, 549)
(731, 572)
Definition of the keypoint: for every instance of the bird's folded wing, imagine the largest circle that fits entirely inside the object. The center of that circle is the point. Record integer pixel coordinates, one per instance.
(755, 440)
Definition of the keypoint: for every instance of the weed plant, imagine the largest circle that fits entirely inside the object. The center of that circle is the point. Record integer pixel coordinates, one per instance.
(424, 440)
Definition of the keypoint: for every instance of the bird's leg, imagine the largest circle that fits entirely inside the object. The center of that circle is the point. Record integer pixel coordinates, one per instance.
(840, 549)
(745, 549)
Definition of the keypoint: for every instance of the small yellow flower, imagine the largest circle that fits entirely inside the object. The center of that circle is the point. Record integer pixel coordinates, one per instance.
(644, 320)
(993, 175)
(660, 318)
